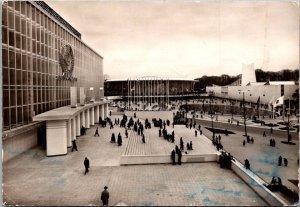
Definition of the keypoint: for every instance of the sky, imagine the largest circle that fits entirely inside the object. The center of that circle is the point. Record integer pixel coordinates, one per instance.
(186, 39)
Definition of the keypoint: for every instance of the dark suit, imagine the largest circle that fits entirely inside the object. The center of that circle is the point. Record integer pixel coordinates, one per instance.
(105, 197)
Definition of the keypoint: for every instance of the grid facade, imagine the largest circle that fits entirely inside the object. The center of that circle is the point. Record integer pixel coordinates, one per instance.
(31, 42)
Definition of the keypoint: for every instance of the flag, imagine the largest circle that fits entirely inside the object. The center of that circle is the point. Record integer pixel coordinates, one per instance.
(279, 101)
(258, 102)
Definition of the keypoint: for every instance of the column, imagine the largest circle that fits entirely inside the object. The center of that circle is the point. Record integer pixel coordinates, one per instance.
(96, 114)
(92, 116)
(102, 111)
(69, 135)
(87, 118)
(82, 118)
(106, 110)
(78, 126)
(56, 137)
(73, 134)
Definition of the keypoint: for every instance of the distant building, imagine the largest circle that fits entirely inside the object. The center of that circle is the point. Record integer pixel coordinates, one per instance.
(266, 92)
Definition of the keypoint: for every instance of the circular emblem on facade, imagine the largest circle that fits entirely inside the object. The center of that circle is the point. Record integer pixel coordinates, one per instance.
(66, 61)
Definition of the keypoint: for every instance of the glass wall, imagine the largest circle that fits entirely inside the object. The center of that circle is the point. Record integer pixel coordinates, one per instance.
(31, 41)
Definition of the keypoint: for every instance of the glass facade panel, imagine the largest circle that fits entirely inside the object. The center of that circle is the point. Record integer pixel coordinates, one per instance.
(31, 63)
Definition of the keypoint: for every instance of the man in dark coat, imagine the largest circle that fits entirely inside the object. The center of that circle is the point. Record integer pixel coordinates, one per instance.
(173, 156)
(126, 133)
(74, 146)
(279, 161)
(143, 138)
(119, 139)
(96, 132)
(105, 196)
(86, 165)
(179, 157)
(113, 138)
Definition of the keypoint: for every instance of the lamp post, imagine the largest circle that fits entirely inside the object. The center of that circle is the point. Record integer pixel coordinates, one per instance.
(244, 112)
(212, 117)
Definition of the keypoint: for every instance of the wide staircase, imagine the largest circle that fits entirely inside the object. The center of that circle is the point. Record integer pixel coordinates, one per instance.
(136, 146)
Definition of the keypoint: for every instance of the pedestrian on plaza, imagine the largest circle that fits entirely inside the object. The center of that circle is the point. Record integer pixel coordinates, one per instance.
(113, 138)
(247, 164)
(264, 134)
(188, 146)
(244, 143)
(96, 132)
(191, 145)
(126, 133)
(176, 149)
(143, 138)
(105, 196)
(279, 160)
(179, 157)
(109, 113)
(86, 165)
(74, 146)
(173, 156)
(285, 161)
(200, 132)
(181, 144)
(119, 139)
(199, 127)
(195, 133)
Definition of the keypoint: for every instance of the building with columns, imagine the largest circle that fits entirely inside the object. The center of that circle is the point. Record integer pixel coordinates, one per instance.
(46, 69)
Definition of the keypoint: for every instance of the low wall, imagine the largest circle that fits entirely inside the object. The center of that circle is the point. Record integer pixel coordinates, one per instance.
(256, 184)
(16, 144)
(164, 159)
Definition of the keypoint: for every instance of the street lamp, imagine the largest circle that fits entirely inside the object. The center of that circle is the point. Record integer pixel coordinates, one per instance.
(244, 111)
(212, 117)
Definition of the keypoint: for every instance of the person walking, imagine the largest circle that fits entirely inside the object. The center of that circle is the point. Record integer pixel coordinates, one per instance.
(191, 145)
(195, 133)
(143, 138)
(119, 139)
(105, 196)
(173, 156)
(279, 160)
(181, 144)
(113, 138)
(264, 134)
(96, 132)
(74, 146)
(126, 133)
(247, 164)
(179, 157)
(86, 165)
(285, 161)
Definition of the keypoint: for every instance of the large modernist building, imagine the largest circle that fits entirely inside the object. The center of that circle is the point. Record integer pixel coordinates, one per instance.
(146, 92)
(43, 56)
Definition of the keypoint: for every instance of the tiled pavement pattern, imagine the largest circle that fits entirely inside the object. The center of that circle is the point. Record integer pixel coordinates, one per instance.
(33, 179)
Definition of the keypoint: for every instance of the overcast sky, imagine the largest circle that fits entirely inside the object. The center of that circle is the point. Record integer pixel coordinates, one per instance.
(186, 39)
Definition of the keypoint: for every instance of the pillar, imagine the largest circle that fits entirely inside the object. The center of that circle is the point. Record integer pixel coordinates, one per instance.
(87, 118)
(69, 131)
(78, 126)
(92, 116)
(102, 112)
(73, 128)
(56, 137)
(106, 110)
(97, 114)
(82, 118)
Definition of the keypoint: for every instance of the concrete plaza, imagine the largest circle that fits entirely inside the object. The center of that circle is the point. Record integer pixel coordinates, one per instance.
(34, 179)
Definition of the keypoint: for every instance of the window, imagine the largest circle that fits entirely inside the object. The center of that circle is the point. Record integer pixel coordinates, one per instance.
(11, 38)
(11, 59)
(4, 35)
